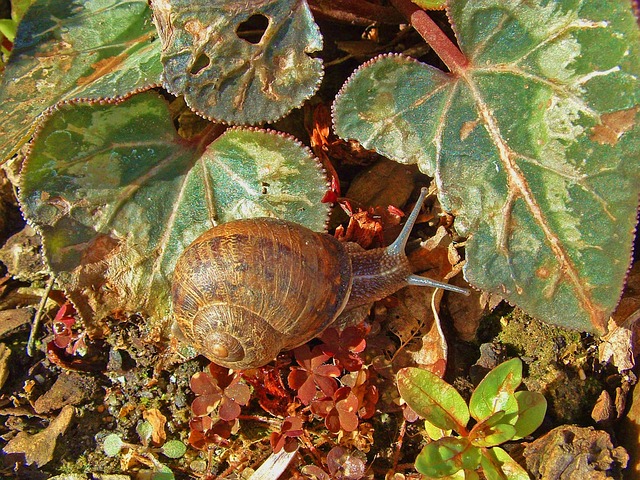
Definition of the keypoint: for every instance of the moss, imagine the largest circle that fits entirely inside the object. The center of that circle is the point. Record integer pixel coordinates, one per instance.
(556, 359)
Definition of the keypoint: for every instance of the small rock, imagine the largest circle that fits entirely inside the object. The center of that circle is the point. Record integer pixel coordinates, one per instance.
(570, 452)
(69, 389)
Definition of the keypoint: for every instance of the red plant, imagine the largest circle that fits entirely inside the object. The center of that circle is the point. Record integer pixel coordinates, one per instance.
(345, 346)
(291, 429)
(216, 388)
(365, 392)
(64, 337)
(204, 431)
(339, 412)
(312, 374)
(269, 389)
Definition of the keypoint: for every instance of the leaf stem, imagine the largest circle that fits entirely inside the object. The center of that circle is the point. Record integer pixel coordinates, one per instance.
(448, 52)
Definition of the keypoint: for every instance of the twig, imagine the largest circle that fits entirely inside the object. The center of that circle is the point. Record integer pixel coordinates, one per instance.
(36, 320)
(396, 453)
(448, 52)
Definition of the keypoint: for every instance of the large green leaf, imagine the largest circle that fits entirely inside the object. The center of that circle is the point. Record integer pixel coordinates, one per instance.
(447, 456)
(117, 195)
(227, 78)
(534, 146)
(75, 49)
(495, 392)
(433, 399)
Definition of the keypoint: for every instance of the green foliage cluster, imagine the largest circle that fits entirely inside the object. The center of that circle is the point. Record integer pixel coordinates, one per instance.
(532, 137)
(500, 412)
(113, 445)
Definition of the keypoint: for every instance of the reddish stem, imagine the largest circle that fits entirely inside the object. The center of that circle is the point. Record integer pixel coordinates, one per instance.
(355, 12)
(448, 52)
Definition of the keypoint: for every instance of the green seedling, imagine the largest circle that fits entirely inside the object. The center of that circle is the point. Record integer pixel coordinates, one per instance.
(501, 414)
(113, 445)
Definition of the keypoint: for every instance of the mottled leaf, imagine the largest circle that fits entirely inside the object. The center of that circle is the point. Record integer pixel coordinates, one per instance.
(174, 449)
(112, 444)
(495, 392)
(533, 145)
(433, 399)
(75, 49)
(118, 195)
(228, 78)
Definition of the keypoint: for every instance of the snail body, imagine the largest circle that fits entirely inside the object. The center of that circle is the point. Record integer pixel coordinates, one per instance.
(246, 290)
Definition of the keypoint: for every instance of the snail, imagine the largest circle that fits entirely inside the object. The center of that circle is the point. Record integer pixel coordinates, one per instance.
(248, 289)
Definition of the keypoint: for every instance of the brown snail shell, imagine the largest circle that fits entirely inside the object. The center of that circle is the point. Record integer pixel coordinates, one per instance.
(242, 289)
(246, 290)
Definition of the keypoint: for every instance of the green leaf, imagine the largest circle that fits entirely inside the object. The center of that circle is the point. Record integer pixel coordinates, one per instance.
(74, 49)
(498, 465)
(174, 449)
(434, 432)
(496, 391)
(8, 29)
(533, 146)
(431, 4)
(112, 444)
(163, 473)
(118, 195)
(433, 399)
(447, 456)
(227, 78)
(490, 433)
(532, 407)
(144, 430)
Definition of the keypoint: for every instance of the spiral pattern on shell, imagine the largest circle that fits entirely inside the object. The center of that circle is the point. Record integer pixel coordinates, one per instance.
(248, 289)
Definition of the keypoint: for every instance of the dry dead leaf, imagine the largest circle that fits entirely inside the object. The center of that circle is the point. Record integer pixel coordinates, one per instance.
(11, 319)
(619, 346)
(39, 448)
(422, 341)
(384, 183)
(22, 255)
(466, 311)
(157, 421)
(363, 229)
(5, 353)
(69, 389)
(603, 409)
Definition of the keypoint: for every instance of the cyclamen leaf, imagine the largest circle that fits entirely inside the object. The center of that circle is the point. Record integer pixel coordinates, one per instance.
(75, 49)
(495, 392)
(533, 146)
(118, 195)
(226, 78)
(433, 399)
